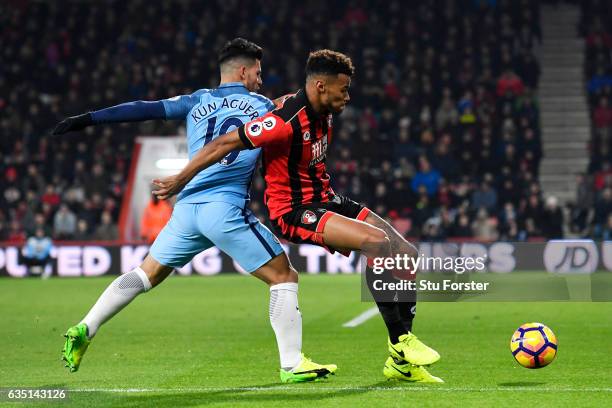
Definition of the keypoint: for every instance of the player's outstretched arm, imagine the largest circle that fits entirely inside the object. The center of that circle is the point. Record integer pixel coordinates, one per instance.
(206, 157)
(175, 108)
(126, 112)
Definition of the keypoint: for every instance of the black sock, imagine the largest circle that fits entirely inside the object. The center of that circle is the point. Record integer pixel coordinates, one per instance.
(388, 310)
(407, 311)
(390, 314)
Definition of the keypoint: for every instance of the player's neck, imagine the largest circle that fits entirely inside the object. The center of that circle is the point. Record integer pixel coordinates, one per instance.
(313, 100)
(228, 79)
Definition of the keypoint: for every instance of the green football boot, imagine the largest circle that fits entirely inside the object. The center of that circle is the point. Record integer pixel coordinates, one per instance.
(402, 371)
(75, 346)
(306, 371)
(411, 350)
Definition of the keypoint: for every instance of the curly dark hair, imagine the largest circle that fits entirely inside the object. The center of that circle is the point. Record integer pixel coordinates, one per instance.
(329, 62)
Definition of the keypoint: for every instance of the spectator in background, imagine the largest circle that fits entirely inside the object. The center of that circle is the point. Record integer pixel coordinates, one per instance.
(3, 226)
(51, 197)
(527, 109)
(427, 177)
(603, 177)
(467, 117)
(581, 210)
(599, 81)
(461, 192)
(432, 231)
(15, 234)
(11, 193)
(552, 219)
(444, 161)
(64, 223)
(485, 197)
(508, 192)
(39, 221)
(530, 159)
(446, 222)
(528, 69)
(607, 231)
(528, 230)
(603, 209)
(34, 180)
(484, 228)
(532, 210)
(154, 218)
(510, 84)
(466, 102)
(36, 253)
(602, 117)
(82, 232)
(97, 182)
(106, 231)
(422, 209)
(461, 228)
(445, 197)
(512, 233)
(447, 114)
(88, 213)
(508, 228)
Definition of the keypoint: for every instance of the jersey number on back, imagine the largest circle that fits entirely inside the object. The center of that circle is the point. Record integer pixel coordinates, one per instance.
(225, 127)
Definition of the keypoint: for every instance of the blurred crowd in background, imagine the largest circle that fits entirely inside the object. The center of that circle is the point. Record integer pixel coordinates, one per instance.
(441, 136)
(594, 198)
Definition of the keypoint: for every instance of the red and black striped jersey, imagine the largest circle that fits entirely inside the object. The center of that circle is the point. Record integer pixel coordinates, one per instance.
(294, 141)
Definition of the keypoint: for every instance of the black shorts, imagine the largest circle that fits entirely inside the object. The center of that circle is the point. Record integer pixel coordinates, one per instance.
(305, 223)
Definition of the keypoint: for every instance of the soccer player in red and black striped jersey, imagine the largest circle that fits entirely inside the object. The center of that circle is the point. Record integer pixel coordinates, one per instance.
(304, 208)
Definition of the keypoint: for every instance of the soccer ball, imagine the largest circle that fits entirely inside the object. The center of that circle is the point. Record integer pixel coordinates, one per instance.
(534, 345)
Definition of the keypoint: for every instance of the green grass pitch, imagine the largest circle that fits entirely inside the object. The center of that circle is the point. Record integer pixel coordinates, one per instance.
(197, 341)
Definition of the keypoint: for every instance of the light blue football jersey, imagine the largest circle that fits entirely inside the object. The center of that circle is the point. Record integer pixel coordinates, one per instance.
(210, 113)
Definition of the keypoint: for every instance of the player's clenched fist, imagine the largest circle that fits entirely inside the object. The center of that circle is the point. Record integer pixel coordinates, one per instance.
(73, 123)
(168, 186)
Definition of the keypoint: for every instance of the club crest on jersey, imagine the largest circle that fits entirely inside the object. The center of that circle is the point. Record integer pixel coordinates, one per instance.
(254, 129)
(309, 217)
(319, 150)
(269, 123)
(306, 136)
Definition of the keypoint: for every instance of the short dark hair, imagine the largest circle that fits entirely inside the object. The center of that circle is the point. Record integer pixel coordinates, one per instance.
(240, 48)
(328, 62)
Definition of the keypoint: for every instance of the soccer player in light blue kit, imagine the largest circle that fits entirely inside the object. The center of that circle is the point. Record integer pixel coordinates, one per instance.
(212, 210)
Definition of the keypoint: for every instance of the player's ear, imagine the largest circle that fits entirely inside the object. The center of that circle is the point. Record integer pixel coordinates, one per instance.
(320, 84)
(243, 72)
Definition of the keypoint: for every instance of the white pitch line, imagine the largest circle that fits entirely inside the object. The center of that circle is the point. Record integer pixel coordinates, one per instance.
(408, 388)
(365, 316)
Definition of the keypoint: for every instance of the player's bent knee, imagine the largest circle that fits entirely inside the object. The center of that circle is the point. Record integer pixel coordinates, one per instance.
(289, 275)
(376, 243)
(376, 236)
